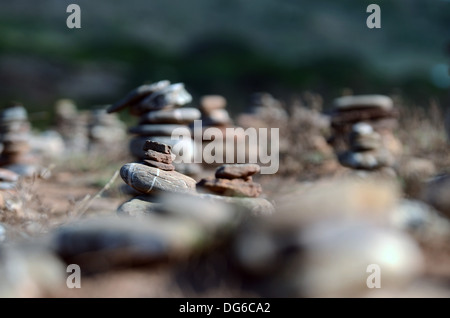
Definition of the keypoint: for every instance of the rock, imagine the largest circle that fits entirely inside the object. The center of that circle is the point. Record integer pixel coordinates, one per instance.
(8, 175)
(29, 271)
(156, 146)
(172, 95)
(217, 117)
(368, 160)
(146, 179)
(233, 171)
(102, 243)
(13, 113)
(337, 255)
(186, 145)
(2, 232)
(346, 103)
(363, 137)
(210, 103)
(136, 95)
(415, 172)
(157, 156)
(254, 206)
(184, 115)
(139, 206)
(227, 187)
(159, 165)
(160, 130)
(24, 170)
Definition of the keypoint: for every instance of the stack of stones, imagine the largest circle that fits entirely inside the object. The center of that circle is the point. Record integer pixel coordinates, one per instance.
(72, 126)
(366, 151)
(376, 110)
(15, 133)
(105, 128)
(155, 172)
(160, 112)
(234, 180)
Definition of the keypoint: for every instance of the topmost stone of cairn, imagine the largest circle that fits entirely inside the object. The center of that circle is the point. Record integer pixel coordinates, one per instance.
(155, 96)
(363, 101)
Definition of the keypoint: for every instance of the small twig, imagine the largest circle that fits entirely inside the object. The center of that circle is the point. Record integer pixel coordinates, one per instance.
(87, 200)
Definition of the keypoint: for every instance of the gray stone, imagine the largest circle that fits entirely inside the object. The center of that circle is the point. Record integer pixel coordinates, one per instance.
(367, 160)
(364, 101)
(183, 115)
(2, 233)
(146, 179)
(25, 170)
(8, 175)
(160, 130)
(170, 96)
(136, 95)
(14, 113)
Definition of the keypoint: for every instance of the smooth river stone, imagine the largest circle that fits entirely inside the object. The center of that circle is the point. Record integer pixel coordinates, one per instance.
(368, 160)
(160, 130)
(346, 103)
(212, 102)
(233, 171)
(184, 115)
(15, 113)
(8, 175)
(172, 95)
(146, 179)
(136, 95)
(235, 187)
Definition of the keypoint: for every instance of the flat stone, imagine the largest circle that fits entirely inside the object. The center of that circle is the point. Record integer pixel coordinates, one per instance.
(25, 170)
(8, 175)
(139, 206)
(209, 103)
(217, 117)
(367, 160)
(160, 130)
(15, 126)
(146, 179)
(183, 115)
(233, 171)
(174, 95)
(107, 242)
(226, 187)
(184, 144)
(136, 95)
(157, 146)
(361, 142)
(255, 206)
(159, 165)
(159, 157)
(14, 113)
(363, 101)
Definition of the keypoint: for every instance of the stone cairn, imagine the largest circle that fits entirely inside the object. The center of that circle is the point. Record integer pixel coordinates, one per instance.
(72, 125)
(363, 132)
(15, 133)
(105, 128)
(159, 107)
(233, 180)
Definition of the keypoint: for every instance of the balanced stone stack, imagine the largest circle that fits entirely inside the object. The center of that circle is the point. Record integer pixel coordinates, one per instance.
(15, 133)
(156, 172)
(366, 150)
(105, 128)
(234, 180)
(72, 125)
(376, 110)
(160, 112)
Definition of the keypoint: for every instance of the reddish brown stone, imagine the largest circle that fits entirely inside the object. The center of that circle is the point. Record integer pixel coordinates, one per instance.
(157, 146)
(159, 165)
(231, 188)
(157, 156)
(234, 171)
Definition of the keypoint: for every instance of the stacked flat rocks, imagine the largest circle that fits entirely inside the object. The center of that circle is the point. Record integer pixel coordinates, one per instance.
(15, 133)
(72, 125)
(234, 180)
(160, 112)
(156, 172)
(105, 128)
(366, 150)
(376, 110)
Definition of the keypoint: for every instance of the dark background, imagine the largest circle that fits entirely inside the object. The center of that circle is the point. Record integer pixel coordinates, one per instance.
(228, 47)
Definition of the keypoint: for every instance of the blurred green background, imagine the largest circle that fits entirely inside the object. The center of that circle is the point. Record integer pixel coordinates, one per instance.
(228, 47)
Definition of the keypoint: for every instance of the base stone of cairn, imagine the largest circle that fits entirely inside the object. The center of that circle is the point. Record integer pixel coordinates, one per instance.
(234, 183)
(161, 110)
(364, 133)
(14, 138)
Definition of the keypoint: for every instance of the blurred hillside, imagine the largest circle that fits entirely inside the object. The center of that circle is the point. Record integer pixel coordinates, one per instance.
(228, 47)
